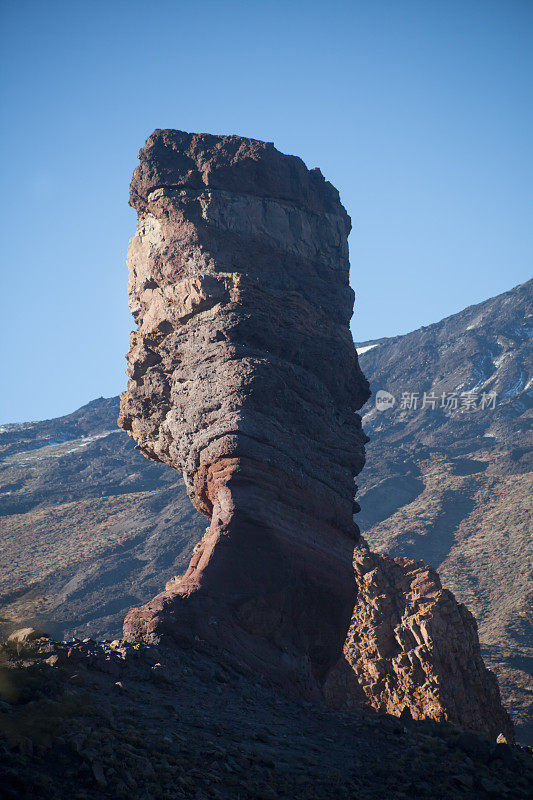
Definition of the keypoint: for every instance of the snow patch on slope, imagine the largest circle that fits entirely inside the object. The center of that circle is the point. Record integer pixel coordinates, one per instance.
(365, 349)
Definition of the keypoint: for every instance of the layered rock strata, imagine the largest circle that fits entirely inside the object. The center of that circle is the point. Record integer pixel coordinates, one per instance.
(413, 649)
(244, 376)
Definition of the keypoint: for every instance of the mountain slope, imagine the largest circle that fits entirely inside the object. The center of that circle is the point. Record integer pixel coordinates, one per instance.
(89, 527)
(452, 486)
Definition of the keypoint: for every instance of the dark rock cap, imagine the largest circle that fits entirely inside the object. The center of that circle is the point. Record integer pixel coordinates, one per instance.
(196, 161)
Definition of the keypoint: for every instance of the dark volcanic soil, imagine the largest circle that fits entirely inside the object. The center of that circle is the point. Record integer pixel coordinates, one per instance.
(108, 720)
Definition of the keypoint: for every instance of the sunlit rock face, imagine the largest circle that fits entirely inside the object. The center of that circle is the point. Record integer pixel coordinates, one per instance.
(411, 647)
(244, 376)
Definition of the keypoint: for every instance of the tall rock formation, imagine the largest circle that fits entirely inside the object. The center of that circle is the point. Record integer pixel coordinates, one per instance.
(244, 376)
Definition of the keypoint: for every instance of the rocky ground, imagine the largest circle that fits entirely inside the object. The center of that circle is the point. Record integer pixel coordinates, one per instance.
(86, 719)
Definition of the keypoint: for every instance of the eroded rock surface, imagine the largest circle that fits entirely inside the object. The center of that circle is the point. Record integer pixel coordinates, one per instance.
(244, 376)
(413, 648)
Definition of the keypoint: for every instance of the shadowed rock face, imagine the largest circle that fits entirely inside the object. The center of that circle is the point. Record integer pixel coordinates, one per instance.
(244, 376)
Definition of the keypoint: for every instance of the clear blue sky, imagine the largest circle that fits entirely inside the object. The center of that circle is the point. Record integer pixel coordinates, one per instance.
(419, 112)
